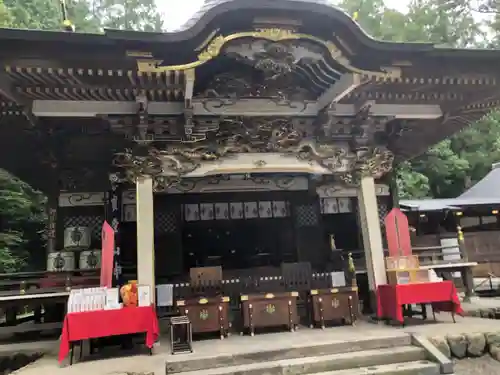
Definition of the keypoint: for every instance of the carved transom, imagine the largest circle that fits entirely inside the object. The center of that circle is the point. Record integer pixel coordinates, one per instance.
(351, 156)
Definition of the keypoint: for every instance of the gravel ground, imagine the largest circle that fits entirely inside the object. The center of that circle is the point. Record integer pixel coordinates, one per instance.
(478, 366)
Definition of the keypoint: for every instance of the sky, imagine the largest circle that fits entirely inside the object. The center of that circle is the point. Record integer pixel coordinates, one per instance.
(177, 12)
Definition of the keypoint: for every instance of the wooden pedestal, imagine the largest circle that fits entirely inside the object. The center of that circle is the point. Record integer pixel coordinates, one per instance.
(181, 335)
(207, 314)
(338, 304)
(269, 310)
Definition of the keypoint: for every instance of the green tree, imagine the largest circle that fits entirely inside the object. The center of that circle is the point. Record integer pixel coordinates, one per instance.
(46, 15)
(140, 15)
(411, 184)
(80, 13)
(5, 16)
(34, 14)
(21, 220)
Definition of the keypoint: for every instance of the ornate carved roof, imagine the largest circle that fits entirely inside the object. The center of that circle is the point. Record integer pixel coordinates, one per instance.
(303, 60)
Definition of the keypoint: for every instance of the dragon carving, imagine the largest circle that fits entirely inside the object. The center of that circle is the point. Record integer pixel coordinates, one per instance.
(168, 163)
(373, 162)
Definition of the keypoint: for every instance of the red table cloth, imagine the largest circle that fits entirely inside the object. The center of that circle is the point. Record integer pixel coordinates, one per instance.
(391, 298)
(104, 323)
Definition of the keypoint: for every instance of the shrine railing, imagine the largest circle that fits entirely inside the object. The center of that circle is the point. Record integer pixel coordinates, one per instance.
(427, 255)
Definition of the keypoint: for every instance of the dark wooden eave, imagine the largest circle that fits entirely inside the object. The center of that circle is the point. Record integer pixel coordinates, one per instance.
(61, 66)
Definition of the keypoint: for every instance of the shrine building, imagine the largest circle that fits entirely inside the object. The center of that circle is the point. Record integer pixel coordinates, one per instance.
(261, 132)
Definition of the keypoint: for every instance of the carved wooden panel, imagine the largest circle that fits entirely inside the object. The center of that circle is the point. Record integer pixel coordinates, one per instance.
(207, 211)
(251, 210)
(237, 210)
(280, 209)
(265, 209)
(344, 205)
(191, 212)
(221, 211)
(336, 205)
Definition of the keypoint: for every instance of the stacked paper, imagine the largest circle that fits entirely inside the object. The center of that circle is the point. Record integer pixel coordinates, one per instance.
(92, 299)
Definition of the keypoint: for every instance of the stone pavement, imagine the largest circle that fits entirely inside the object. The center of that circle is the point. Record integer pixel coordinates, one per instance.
(445, 326)
(477, 303)
(236, 344)
(210, 348)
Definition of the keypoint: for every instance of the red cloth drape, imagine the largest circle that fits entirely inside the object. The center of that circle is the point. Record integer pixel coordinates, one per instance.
(442, 295)
(104, 323)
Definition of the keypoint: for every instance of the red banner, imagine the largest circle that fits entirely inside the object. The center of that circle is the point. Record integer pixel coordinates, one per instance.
(398, 233)
(107, 255)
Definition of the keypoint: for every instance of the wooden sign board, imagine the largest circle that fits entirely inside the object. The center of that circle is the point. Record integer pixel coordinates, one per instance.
(107, 255)
(397, 233)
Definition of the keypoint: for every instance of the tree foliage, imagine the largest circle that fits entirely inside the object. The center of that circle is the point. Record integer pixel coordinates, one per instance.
(128, 14)
(21, 220)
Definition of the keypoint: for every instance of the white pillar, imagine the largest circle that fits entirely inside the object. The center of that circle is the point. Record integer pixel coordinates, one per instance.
(372, 236)
(145, 233)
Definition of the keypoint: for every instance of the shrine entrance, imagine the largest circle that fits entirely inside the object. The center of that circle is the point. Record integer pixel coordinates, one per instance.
(238, 230)
(245, 228)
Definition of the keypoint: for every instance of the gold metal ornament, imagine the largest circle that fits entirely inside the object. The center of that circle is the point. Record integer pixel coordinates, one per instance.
(204, 314)
(214, 48)
(270, 308)
(335, 303)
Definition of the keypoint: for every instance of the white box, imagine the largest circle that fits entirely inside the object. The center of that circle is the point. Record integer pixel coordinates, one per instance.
(144, 295)
(111, 298)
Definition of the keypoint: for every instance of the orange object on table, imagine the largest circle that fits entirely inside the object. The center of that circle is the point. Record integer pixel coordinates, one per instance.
(391, 298)
(104, 323)
(129, 295)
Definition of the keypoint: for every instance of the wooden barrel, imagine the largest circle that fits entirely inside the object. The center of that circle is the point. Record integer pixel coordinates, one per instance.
(77, 238)
(61, 261)
(90, 260)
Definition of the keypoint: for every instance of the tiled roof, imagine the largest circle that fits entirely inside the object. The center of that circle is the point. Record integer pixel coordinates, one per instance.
(209, 4)
(446, 204)
(488, 187)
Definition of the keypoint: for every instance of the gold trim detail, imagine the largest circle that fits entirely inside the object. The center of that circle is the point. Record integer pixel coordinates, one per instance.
(207, 40)
(214, 48)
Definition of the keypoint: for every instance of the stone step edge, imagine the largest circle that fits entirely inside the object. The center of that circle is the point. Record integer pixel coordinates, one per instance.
(401, 368)
(285, 353)
(389, 353)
